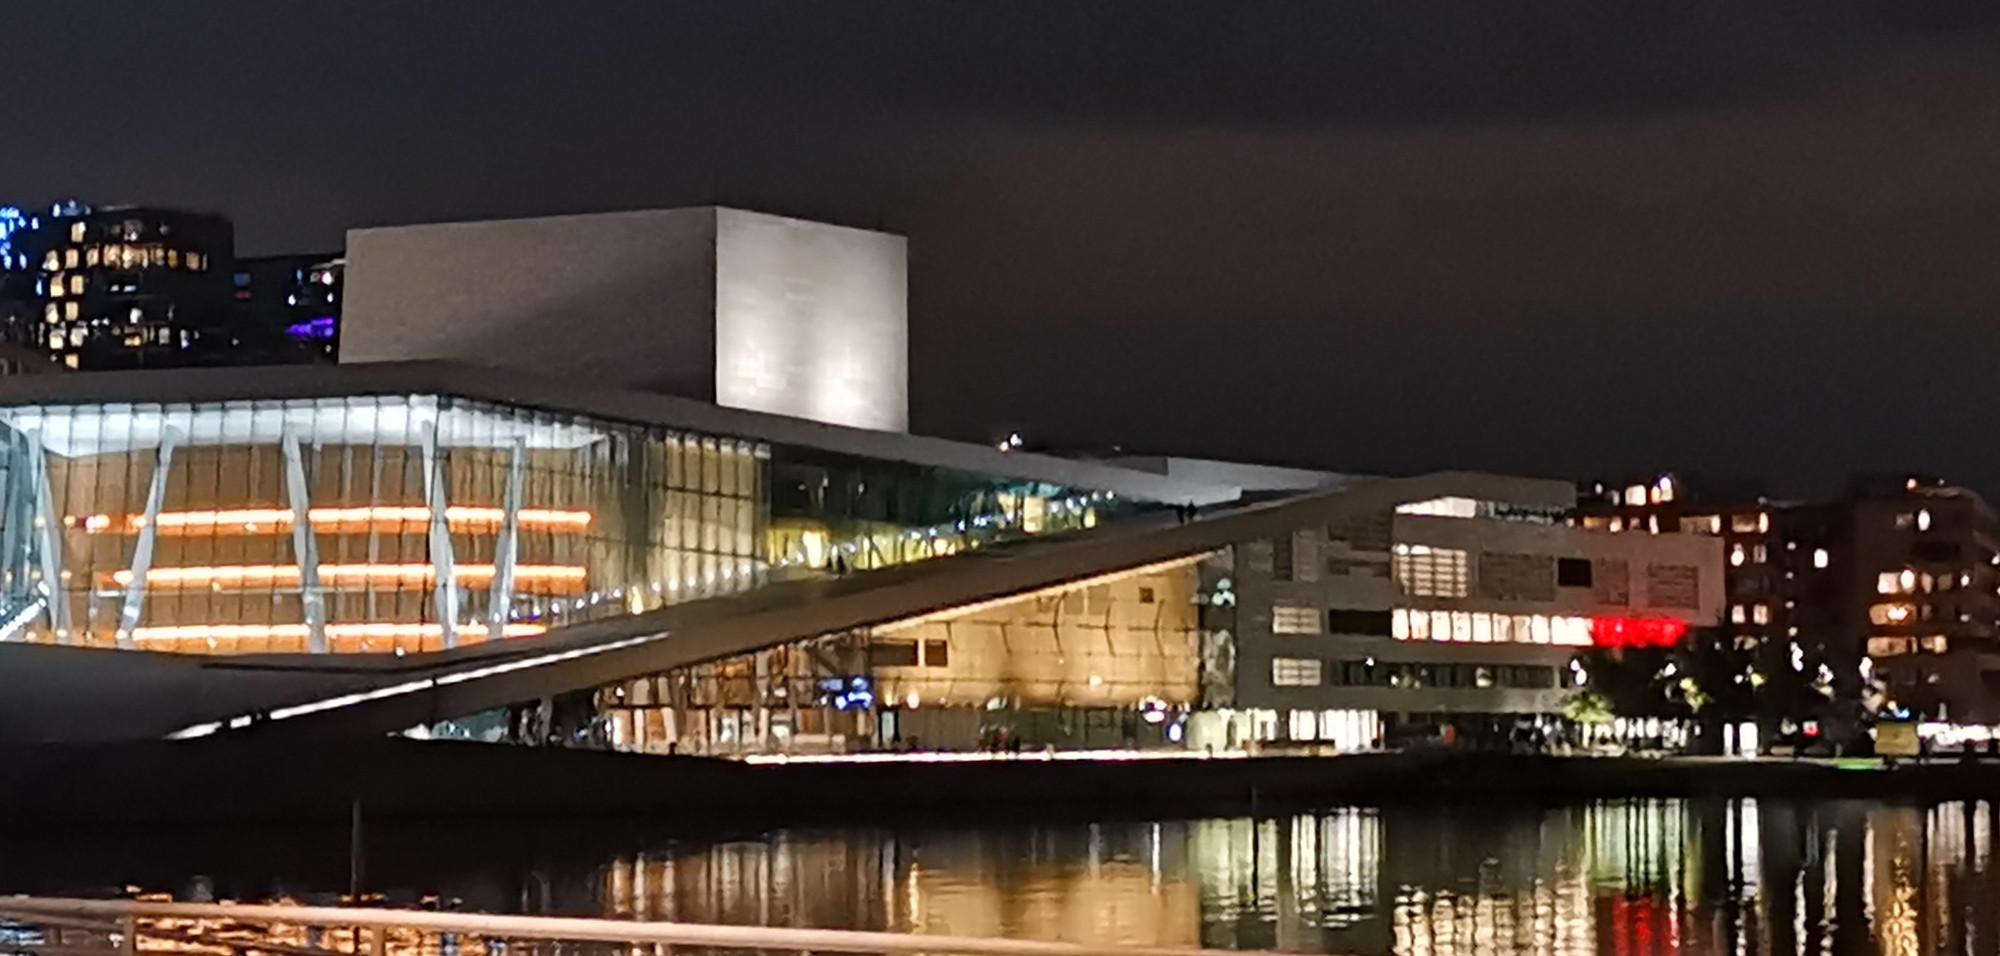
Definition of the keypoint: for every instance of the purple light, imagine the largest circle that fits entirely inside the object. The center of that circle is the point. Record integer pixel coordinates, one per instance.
(320, 328)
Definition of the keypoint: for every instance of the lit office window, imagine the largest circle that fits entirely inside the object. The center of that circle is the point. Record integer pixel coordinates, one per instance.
(1423, 571)
(1295, 672)
(1408, 625)
(1304, 725)
(1820, 558)
(1892, 613)
(1479, 627)
(1570, 631)
(1442, 508)
(76, 231)
(1760, 614)
(1294, 619)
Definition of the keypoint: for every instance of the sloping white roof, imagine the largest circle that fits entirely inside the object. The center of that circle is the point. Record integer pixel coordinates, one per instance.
(526, 389)
(1248, 476)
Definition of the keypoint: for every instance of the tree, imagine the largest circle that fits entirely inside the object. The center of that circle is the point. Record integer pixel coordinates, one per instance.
(1587, 707)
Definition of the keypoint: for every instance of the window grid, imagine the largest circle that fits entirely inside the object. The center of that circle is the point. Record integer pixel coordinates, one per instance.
(1431, 572)
(1295, 619)
(1296, 672)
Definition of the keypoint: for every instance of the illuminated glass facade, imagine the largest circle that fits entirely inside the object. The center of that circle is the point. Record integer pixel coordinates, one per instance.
(412, 522)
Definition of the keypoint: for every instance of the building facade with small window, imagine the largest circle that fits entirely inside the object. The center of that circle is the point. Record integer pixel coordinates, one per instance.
(1460, 612)
(1879, 602)
(119, 286)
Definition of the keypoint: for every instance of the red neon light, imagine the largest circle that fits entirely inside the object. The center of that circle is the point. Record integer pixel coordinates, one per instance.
(1636, 631)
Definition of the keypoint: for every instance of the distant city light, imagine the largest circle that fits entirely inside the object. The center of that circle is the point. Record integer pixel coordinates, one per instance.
(322, 327)
(12, 219)
(1636, 631)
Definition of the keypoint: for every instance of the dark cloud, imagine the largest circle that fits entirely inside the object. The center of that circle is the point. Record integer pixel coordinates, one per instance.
(1558, 237)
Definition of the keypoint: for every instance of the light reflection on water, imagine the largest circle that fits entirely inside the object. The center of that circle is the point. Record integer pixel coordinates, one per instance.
(1622, 879)
(1630, 878)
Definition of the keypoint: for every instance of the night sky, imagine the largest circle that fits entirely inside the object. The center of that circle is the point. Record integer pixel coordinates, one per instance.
(1556, 238)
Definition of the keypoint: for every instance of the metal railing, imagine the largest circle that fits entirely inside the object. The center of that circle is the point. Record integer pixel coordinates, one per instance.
(131, 921)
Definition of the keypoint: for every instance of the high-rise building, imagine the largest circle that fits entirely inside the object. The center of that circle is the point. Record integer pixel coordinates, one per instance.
(118, 286)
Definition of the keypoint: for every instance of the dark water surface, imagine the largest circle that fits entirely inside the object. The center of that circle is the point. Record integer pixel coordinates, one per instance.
(1616, 878)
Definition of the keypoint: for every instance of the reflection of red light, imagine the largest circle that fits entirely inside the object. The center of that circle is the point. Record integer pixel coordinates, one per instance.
(1642, 926)
(1636, 631)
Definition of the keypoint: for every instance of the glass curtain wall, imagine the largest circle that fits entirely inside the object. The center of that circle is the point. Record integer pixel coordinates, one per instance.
(428, 522)
(829, 509)
(432, 521)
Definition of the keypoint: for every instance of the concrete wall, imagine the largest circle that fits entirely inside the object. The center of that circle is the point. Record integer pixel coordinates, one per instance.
(745, 309)
(811, 320)
(1248, 477)
(622, 299)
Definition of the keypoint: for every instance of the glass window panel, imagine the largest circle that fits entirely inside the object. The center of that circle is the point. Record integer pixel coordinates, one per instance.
(670, 448)
(711, 466)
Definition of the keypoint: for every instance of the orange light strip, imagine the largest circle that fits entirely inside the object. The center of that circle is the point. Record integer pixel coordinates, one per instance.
(254, 520)
(202, 632)
(279, 575)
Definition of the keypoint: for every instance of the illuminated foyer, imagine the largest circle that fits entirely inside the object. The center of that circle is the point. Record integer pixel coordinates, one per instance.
(160, 510)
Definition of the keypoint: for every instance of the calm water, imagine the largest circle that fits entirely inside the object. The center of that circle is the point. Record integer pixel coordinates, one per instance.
(1623, 878)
